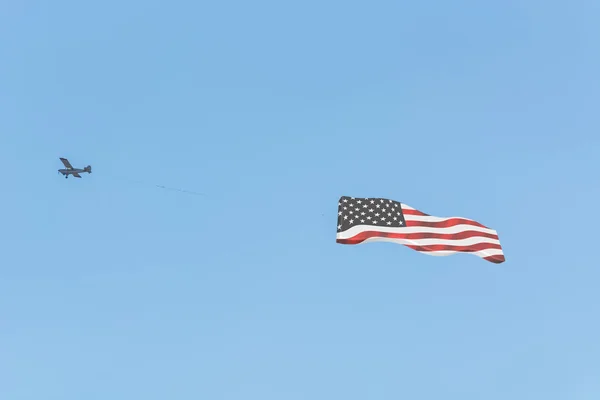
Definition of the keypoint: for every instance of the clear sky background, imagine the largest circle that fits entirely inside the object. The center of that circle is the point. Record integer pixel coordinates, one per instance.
(112, 288)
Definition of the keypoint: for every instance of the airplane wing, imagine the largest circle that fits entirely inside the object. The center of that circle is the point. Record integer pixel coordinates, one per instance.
(66, 162)
(76, 175)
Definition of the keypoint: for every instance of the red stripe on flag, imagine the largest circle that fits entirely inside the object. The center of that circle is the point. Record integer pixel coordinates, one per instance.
(445, 224)
(423, 235)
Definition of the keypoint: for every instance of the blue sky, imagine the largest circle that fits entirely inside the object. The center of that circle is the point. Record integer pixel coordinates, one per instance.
(113, 288)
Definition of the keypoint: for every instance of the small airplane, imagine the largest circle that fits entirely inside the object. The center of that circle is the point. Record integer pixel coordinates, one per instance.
(69, 170)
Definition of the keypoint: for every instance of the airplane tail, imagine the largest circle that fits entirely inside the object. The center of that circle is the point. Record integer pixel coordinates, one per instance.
(88, 169)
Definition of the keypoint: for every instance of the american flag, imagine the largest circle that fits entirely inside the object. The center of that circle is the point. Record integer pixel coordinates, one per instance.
(362, 220)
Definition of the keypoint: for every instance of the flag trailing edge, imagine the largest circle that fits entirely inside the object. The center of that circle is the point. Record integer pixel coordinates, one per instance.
(363, 220)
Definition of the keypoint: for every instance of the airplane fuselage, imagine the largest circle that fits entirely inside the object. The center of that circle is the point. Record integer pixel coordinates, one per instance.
(74, 171)
(71, 171)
